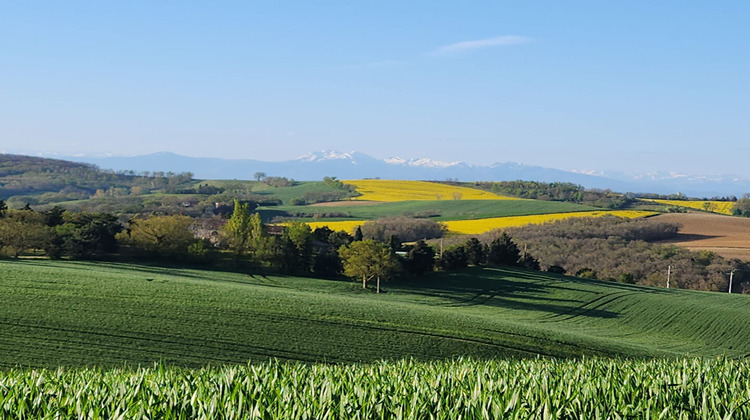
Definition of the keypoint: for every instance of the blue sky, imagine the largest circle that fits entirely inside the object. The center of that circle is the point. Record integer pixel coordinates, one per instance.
(588, 85)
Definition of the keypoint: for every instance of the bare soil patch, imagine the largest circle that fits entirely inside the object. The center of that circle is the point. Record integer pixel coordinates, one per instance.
(725, 235)
(346, 203)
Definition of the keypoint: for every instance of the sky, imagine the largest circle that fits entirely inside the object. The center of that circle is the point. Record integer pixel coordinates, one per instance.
(634, 86)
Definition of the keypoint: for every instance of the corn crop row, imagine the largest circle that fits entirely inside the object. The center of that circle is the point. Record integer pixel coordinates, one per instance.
(458, 389)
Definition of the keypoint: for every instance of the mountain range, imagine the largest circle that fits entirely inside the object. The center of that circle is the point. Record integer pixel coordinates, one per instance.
(354, 165)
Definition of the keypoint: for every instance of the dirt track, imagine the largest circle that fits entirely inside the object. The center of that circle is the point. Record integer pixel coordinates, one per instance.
(725, 235)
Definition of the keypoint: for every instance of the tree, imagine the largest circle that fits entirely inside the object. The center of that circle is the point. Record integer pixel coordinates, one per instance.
(259, 175)
(358, 236)
(332, 182)
(322, 233)
(296, 248)
(475, 252)
(326, 261)
(87, 234)
(339, 238)
(165, 235)
(244, 231)
(742, 207)
(3, 208)
(503, 251)
(420, 259)
(527, 261)
(453, 258)
(21, 230)
(368, 260)
(54, 216)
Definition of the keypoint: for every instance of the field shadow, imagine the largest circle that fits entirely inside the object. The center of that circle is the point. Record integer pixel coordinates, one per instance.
(686, 237)
(501, 289)
(155, 268)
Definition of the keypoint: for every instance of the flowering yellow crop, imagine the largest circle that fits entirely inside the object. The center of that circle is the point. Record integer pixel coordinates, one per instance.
(485, 225)
(477, 226)
(347, 225)
(387, 190)
(723, 207)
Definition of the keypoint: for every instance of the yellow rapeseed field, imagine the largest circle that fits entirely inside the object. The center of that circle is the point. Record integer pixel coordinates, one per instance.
(347, 225)
(484, 225)
(477, 226)
(387, 190)
(723, 207)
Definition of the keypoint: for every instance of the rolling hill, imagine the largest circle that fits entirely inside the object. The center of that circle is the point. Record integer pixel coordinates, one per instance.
(313, 166)
(60, 313)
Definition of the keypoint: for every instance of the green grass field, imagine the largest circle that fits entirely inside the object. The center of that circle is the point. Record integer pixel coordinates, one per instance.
(58, 313)
(286, 194)
(446, 209)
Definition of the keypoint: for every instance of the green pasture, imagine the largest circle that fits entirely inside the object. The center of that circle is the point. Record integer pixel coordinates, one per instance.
(62, 313)
(438, 210)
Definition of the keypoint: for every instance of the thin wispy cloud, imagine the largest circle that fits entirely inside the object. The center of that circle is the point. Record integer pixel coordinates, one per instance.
(499, 41)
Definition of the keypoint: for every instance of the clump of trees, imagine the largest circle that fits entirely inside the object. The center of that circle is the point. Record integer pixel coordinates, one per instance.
(407, 229)
(278, 181)
(559, 191)
(500, 251)
(166, 236)
(742, 207)
(57, 233)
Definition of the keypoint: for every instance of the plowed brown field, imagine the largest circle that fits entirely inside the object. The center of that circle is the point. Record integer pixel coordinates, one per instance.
(725, 235)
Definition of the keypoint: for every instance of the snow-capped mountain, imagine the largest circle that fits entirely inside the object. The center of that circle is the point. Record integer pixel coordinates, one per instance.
(424, 163)
(328, 155)
(355, 165)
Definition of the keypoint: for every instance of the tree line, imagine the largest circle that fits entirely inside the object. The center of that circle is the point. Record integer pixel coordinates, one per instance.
(558, 191)
(606, 248)
(373, 253)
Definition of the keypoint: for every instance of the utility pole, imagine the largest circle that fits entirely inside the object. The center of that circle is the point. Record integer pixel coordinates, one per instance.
(731, 277)
(378, 284)
(669, 274)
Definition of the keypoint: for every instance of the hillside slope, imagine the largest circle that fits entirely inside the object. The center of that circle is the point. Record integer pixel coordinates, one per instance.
(75, 313)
